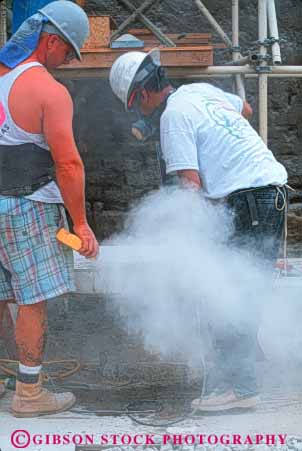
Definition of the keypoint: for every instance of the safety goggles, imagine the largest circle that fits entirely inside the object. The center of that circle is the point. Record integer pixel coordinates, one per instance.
(70, 54)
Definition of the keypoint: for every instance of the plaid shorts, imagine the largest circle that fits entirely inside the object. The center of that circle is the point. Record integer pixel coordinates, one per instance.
(34, 266)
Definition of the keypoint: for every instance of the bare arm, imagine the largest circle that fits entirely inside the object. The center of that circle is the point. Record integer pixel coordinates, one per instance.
(57, 128)
(190, 178)
(247, 111)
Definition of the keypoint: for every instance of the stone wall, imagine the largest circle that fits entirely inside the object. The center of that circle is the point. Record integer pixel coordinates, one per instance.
(119, 170)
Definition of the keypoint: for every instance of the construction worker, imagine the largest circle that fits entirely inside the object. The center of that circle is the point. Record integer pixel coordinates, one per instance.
(208, 143)
(36, 142)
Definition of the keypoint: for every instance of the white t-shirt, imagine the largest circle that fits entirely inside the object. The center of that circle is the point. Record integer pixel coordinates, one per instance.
(202, 129)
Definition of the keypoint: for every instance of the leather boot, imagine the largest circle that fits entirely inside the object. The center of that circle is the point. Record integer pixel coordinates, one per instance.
(226, 401)
(2, 390)
(31, 400)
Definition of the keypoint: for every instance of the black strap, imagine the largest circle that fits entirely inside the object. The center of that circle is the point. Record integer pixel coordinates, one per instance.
(24, 168)
(28, 378)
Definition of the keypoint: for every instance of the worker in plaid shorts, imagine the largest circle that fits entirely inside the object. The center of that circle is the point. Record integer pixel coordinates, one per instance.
(41, 171)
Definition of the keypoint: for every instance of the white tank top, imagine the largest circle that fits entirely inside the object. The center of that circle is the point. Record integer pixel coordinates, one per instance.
(11, 134)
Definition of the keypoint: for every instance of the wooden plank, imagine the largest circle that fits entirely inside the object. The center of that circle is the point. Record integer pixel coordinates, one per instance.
(185, 72)
(100, 32)
(170, 56)
(81, 3)
(187, 56)
(188, 39)
(151, 41)
(145, 31)
(143, 19)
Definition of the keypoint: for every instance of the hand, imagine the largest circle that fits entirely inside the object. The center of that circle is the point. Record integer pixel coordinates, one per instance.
(90, 247)
(190, 178)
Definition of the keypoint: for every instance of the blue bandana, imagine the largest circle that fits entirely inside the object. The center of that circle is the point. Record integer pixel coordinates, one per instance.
(23, 43)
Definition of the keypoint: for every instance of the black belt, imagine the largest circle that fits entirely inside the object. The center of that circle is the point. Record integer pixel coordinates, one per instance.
(24, 168)
(26, 190)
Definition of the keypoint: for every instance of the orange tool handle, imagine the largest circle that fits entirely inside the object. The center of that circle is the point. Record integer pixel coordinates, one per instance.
(69, 239)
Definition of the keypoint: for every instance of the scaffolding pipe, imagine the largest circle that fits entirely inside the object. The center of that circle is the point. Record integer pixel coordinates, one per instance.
(239, 82)
(262, 83)
(232, 70)
(273, 31)
(138, 13)
(286, 69)
(247, 76)
(195, 72)
(241, 62)
(214, 23)
(251, 58)
(2, 23)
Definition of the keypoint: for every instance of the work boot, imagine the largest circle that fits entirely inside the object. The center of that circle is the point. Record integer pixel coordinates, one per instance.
(2, 390)
(226, 401)
(31, 400)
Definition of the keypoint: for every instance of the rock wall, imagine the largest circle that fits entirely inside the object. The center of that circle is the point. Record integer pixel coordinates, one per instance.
(119, 170)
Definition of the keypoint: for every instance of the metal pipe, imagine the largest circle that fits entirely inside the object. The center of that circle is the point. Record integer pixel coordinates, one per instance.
(213, 22)
(231, 70)
(251, 58)
(2, 23)
(223, 70)
(290, 75)
(273, 31)
(138, 13)
(233, 45)
(241, 62)
(164, 39)
(262, 83)
(146, 4)
(229, 76)
(235, 30)
(195, 73)
(286, 69)
(239, 83)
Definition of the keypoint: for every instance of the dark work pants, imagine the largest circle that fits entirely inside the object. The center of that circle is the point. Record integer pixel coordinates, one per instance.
(235, 346)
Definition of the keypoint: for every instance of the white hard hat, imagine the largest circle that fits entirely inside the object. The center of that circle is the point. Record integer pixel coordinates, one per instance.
(130, 68)
(70, 20)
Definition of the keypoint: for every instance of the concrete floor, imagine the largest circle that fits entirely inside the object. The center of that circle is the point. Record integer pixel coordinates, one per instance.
(279, 412)
(276, 414)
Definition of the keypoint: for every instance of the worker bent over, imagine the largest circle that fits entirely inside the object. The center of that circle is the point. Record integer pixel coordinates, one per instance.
(207, 141)
(36, 145)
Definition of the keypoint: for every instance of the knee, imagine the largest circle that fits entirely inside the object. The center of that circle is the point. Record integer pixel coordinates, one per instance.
(33, 309)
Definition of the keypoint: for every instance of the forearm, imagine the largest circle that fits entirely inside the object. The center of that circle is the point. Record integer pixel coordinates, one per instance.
(58, 132)
(71, 181)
